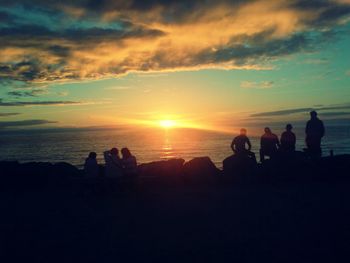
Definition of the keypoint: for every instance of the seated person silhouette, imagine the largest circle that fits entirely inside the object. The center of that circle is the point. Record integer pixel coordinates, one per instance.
(269, 144)
(91, 167)
(114, 167)
(314, 132)
(239, 143)
(129, 163)
(288, 140)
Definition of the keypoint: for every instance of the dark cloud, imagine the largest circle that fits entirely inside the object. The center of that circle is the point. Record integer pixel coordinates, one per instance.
(281, 112)
(182, 10)
(26, 70)
(329, 12)
(305, 110)
(335, 114)
(31, 69)
(5, 17)
(255, 47)
(93, 34)
(243, 50)
(6, 124)
(36, 103)
(27, 93)
(311, 4)
(68, 40)
(6, 114)
(59, 51)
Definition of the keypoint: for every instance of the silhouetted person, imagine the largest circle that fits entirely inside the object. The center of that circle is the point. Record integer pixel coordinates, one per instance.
(314, 133)
(129, 163)
(288, 140)
(269, 144)
(239, 143)
(91, 167)
(114, 166)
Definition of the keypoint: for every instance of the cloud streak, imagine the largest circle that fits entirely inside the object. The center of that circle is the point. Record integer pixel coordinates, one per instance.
(8, 114)
(27, 93)
(7, 124)
(305, 110)
(96, 39)
(37, 103)
(257, 85)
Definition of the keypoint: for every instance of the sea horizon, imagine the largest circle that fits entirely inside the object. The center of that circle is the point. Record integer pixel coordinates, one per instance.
(148, 144)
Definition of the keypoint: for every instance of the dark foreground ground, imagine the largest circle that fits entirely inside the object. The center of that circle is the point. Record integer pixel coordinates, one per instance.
(282, 211)
(280, 222)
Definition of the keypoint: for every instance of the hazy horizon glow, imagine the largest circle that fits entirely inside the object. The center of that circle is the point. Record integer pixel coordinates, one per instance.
(216, 65)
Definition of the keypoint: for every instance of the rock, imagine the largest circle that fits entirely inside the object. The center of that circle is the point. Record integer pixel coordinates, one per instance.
(172, 167)
(33, 175)
(238, 165)
(36, 168)
(8, 171)
(27, 175)
(285, 166)
(66, 169)
(8, 167)
(331, 167)
(200, 169)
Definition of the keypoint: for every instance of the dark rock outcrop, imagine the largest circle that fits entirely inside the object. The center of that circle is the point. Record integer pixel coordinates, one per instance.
(26, 175)
(39, 175)
(35, 174)
(65, 169)
(161, 174)
(200, 169)
(300, 168)
(172, 167)
(238, 166)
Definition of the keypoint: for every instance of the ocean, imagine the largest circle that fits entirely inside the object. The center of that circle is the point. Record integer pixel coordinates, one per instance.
(147, 144)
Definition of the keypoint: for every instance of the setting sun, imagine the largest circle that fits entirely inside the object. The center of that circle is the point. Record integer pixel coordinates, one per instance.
(167, 123)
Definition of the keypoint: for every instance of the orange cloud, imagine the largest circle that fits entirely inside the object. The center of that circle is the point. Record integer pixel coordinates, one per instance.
(98, 40)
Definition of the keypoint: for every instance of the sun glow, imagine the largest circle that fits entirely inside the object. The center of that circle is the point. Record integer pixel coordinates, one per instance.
(167, 123)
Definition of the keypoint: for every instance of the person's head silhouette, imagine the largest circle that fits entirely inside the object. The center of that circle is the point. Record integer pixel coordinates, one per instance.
(126, 153)
(313, 114)
(114, 151)
(267, 130)
(243, 131)
(92, 155)
(289, 127)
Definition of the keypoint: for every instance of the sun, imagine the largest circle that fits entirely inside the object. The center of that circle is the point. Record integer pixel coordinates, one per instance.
(167, 123)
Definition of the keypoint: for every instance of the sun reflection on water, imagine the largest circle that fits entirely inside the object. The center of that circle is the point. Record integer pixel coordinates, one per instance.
(167, 148)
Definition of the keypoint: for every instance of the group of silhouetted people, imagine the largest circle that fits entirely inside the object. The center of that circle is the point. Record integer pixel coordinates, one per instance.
(271, 146)
(115, 167)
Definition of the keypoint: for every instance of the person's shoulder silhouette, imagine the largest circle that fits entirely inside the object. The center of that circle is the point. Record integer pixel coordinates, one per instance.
(288, 139)
(241, 145)
(91, 167)
(269, 144)
(239, 142)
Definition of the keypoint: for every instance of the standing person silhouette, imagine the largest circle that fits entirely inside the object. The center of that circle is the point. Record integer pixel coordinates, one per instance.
(269, 144)
(288, 140)
(314, 132)
(239, 143)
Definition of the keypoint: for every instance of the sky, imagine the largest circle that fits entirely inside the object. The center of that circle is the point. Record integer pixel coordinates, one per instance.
(202, 64)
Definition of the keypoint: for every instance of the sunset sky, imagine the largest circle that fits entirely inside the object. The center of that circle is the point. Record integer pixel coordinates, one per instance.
(203, 64)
